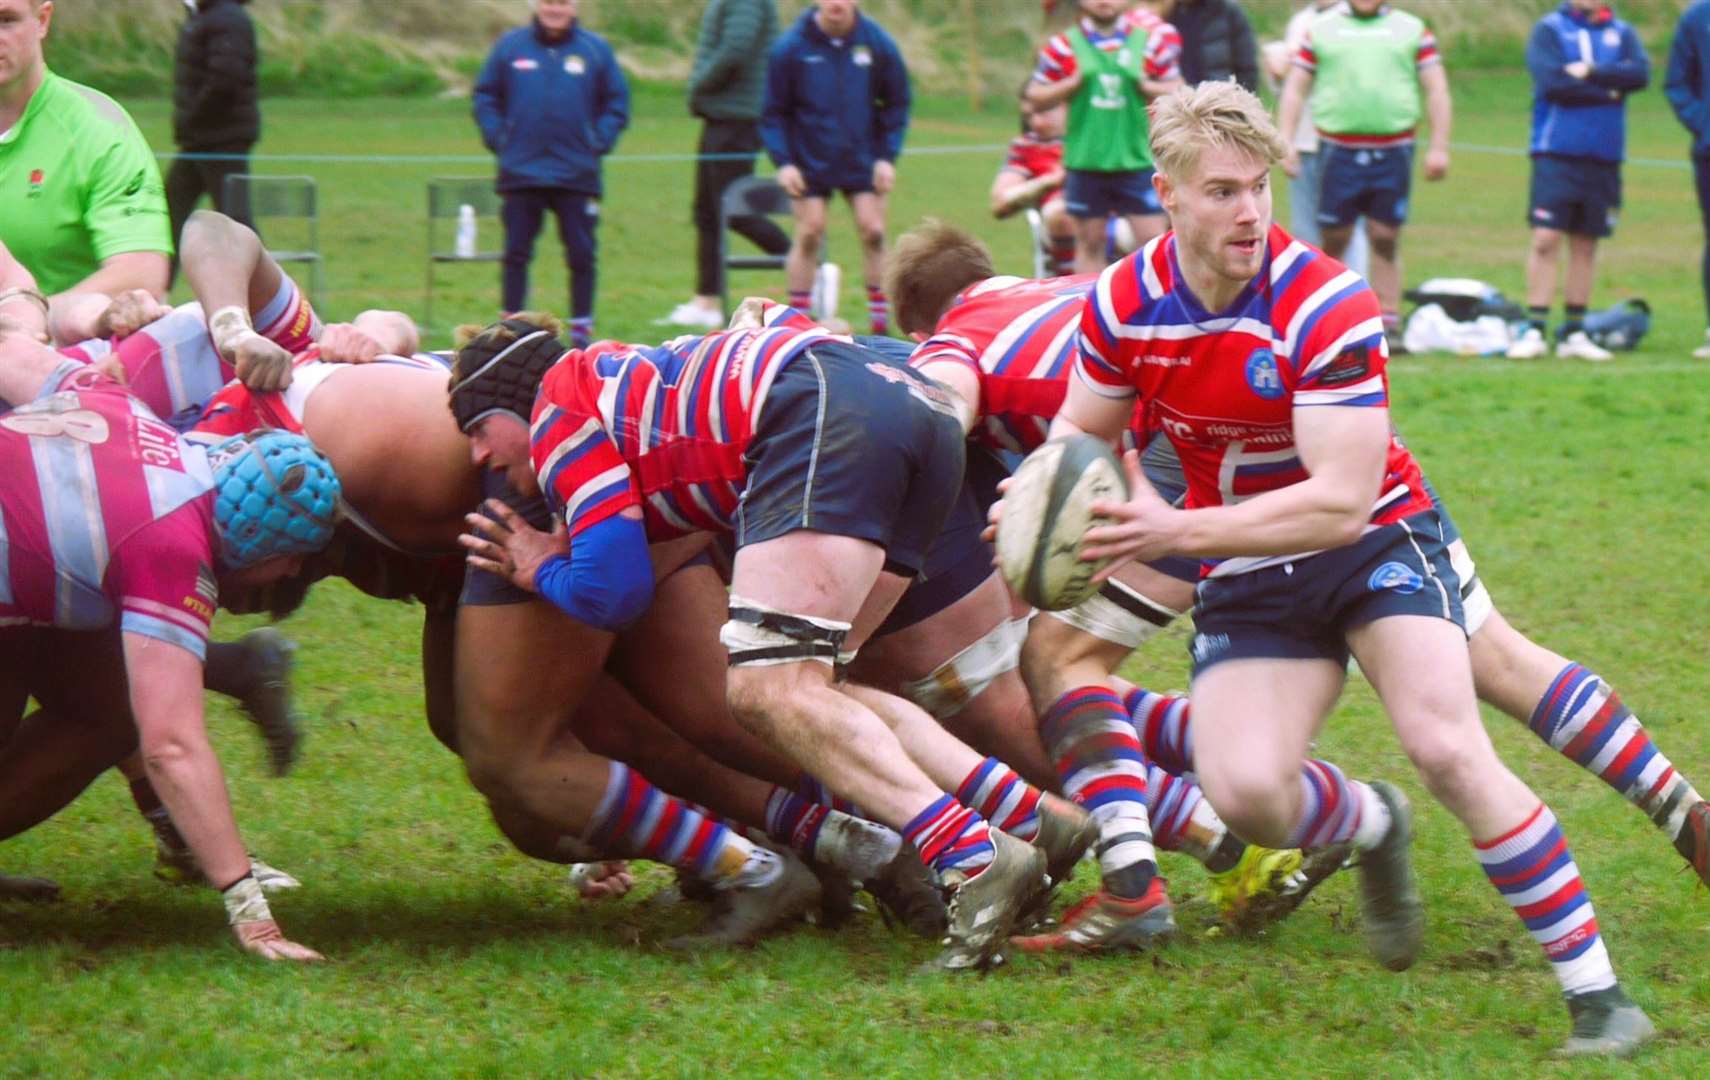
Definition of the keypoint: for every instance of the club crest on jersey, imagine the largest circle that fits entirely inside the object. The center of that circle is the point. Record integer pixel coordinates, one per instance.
(575, 65)
(1263, 378)
(862, 55)
(1396, 577)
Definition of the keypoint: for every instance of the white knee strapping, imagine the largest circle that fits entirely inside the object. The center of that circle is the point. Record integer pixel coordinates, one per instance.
(1127, 623)
(963, 677)
(1476, 603)
(760, 636)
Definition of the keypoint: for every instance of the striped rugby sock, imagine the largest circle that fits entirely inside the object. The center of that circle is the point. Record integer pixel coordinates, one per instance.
(581, 331)
(637, 820)
(950, 837)
(1181, 818)
(999, 794)
(1161, 720)
(1336, 810)
(1532, 868)
(801, 300)
(813, 791)
(1093, 744)
(1584, 719)
(794, 821)
(878, 309)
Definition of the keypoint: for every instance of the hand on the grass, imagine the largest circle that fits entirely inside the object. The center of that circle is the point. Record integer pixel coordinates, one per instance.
(1436, 164)
(1145, 526)
(265, 940)
(261, 364)
(602, 880)
(129, 312)
(884, 177)
(343, 343)
(790, 179)
(510, 547)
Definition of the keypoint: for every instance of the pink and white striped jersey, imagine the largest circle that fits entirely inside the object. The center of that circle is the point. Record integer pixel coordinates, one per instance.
(1019, 337)
(172, 365)
(1163, 48)
(105, 515)
(659, 427)
(1306, 332)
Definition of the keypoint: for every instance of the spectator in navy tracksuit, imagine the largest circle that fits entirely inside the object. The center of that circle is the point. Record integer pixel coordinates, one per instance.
(551, 102)
(837, 100)
(1584, 62)
(1688, 90)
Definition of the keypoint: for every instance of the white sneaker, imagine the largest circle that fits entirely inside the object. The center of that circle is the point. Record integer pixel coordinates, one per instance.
(1530, 345)
(693, 316)
(1579, 346)
(1703, 351)
(827, 280)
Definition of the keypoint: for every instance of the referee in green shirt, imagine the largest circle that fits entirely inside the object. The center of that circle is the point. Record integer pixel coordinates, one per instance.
(81, 203)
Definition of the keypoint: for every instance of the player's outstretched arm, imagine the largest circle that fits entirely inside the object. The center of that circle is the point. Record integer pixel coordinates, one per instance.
(166, 700)
(25, 364)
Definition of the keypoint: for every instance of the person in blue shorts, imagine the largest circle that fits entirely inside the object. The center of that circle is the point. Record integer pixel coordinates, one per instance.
(1584, 62)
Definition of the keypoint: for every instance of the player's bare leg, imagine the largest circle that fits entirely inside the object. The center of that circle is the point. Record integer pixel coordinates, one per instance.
(1089, 245)
(869, 210)
(1519, 844)
(830, 592)
(802, 262)
(1147, 227)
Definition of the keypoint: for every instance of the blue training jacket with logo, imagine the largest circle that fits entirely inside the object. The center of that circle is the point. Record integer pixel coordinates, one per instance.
(1584, 117)
(834, 108)
(551, 110)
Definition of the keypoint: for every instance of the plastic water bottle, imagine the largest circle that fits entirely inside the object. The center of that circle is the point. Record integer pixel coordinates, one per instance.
(465, 246)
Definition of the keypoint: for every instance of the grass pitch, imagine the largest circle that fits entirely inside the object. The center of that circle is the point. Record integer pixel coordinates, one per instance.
(1581, 491)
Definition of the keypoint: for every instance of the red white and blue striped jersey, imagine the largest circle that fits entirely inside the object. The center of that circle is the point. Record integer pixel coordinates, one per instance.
(1019, 337)
(1163, 48)
(661, 427)
(172, 365)
(1305, 332)
(105, 515)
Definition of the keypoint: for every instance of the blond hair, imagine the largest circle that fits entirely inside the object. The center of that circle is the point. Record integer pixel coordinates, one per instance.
(927, 267)
(1213, 115)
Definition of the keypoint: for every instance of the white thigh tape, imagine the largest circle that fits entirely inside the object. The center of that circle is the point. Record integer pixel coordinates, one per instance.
(1127, 623)
(760, 636)
(1476, 603)
(963, 677)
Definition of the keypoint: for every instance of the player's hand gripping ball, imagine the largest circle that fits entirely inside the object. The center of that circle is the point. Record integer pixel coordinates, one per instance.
(1047, 508)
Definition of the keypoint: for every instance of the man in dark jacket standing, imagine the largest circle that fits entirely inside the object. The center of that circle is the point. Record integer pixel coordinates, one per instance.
(1217, 41)
(725, 88)
(1584, 62)
(837, 100)
(213, 108)
(551, 102)
(1688, 90)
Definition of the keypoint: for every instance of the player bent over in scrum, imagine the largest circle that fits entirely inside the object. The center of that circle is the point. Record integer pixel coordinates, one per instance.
(1318, 538)
(120, 535)
(834, 469)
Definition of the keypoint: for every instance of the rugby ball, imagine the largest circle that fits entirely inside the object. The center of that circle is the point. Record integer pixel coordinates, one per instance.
(1047, 508)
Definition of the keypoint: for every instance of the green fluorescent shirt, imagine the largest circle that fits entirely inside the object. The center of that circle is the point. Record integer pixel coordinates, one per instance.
(78, 185)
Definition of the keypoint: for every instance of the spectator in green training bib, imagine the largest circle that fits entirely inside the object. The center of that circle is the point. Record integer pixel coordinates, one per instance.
(81, 203)
(1108, 66)
(1372, 73)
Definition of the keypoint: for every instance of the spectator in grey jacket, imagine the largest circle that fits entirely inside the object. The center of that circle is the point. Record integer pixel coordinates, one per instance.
(726, 86)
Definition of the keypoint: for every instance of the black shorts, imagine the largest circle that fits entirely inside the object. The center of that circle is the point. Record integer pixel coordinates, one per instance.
(1363, 180)
(853, 444)
(821, 187)
(481, 587)
(958, 563)
(1100, 194)
(1580, 196)
(1303, 610)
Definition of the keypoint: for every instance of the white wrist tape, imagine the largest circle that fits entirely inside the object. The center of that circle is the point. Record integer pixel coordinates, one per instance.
(230, 327)
(245, 902)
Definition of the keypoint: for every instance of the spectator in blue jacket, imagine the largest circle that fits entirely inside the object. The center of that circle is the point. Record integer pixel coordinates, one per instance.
(837, 100)
(551, 102)
(1584, 62)
(1688, 90)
